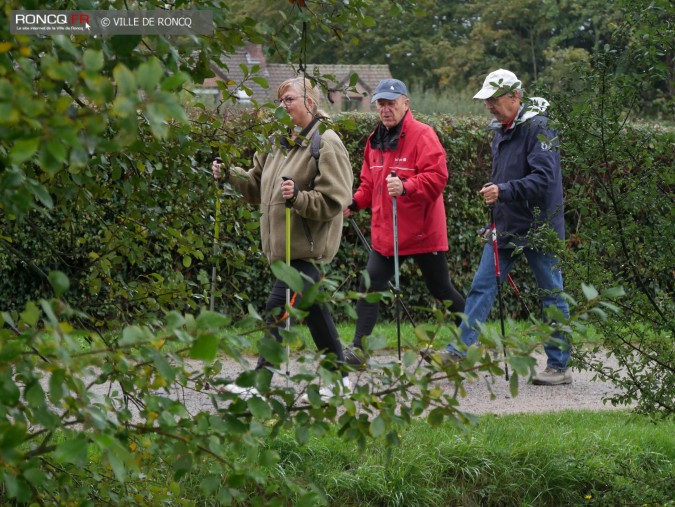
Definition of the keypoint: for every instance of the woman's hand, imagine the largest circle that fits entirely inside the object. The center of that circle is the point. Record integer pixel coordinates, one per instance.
(216, 168)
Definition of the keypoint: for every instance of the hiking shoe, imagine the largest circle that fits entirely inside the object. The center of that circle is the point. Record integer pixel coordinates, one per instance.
(243, 392)
(553, 377)
(326, 393)
(443, 357)
(355, 356)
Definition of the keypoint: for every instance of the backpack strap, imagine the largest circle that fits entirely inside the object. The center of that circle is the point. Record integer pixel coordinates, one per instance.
(316, 144)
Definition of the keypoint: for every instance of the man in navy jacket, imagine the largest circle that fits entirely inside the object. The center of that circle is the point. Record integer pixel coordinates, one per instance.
(526, 191)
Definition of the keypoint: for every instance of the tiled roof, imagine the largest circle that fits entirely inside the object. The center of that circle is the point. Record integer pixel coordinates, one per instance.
(229, 69)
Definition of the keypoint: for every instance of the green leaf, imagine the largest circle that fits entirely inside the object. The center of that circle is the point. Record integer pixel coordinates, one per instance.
(209, 484)
(73, 451)
(261, 81)
(124, 44)
(92, 60)
(436, 417)
(57, 150)
(473, 354)
(57, 385)
(368, 21)
(309, 296)
(175, 81)
(149, 73)
(124, 79)
(31, 315)
(376, 342)
(35, 395)
(289, 275)
(134, 334)
(378, 427)
(204, 348)
(302, 434)
(164, 368)
(259, 408)
(60, 282)
(117, 466)
(11, 435)
(614, 292)
(589, 292)
(211, 320)
(272, 350)
(513, 384)
(23, 149)
(42, 195)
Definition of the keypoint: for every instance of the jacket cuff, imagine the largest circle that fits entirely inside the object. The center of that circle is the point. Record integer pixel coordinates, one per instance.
(503, 192)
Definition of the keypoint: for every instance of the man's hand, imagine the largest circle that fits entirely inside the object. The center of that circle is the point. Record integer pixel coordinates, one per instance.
(394, 186)
(490, 193)
(484, 234)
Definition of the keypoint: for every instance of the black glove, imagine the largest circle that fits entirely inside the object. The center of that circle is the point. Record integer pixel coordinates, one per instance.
(296, 189)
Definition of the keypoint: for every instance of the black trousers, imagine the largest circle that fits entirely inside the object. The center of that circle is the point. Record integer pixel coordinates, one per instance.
(319, 320)
(434, 268)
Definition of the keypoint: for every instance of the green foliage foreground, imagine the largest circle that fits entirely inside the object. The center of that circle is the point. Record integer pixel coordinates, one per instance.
(64, 440)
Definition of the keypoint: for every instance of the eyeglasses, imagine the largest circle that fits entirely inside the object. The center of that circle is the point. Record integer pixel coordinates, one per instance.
(495, 98)
(287, 100)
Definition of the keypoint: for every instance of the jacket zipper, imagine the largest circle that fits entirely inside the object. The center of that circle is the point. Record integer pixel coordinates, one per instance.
(308, 235)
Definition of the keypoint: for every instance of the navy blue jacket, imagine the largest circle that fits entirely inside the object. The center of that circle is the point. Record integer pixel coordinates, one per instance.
(526, 168)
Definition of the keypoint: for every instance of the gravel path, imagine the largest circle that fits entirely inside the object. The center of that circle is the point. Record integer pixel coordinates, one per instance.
(583, 394)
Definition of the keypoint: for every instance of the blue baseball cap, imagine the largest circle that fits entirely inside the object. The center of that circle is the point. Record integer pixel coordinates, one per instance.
(389, 89)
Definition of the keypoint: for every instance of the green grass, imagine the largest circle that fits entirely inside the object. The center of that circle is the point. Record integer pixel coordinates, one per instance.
(566, 458)
(388, 330)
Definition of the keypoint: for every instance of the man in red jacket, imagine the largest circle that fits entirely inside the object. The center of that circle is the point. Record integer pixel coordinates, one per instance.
(410, 149)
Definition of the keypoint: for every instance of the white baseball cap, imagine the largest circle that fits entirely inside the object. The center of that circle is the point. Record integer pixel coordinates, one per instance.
(498, 80)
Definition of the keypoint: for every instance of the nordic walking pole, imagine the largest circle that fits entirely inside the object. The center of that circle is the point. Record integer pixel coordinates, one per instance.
(397, 287)
(370, 249)
(495, 251)
(216, 234)
(288, 289)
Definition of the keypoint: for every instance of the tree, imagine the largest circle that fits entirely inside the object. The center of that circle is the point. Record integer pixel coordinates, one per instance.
(623, 211)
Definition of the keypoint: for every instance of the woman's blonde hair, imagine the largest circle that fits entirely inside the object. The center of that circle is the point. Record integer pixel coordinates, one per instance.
(305, 89)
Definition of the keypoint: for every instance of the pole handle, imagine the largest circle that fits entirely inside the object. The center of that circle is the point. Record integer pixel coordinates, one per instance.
(289, 204)
(491, 206)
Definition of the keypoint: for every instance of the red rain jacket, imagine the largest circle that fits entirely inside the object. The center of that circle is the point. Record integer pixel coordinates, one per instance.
(419, 160)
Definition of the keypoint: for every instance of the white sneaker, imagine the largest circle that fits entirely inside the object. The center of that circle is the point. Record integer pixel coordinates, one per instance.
(243, 392)
(326, 393)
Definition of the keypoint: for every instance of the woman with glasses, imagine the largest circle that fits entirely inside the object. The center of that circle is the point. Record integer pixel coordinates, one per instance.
(317, 189)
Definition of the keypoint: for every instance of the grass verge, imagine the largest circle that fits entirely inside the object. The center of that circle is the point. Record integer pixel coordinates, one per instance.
(557, 459)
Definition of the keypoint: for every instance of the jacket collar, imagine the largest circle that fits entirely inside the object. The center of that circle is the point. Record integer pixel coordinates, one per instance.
(387, 139)
(535, 106)
(301, 138)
